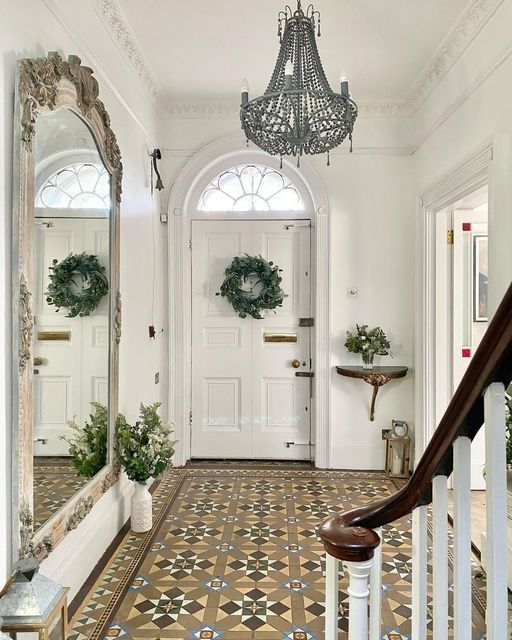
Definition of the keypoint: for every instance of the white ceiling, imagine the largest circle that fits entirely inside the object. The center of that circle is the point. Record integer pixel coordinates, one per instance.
(201, 49)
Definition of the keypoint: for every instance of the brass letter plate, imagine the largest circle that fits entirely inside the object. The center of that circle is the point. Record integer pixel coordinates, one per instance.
(280, 337)
(54, 335)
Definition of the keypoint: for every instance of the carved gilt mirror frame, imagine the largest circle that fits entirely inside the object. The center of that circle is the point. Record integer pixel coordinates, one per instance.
(44, 85)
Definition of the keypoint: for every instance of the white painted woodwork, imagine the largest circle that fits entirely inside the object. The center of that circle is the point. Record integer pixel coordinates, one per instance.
(496, 511)
(462, 605)
(440, 557)
(332, 570)
(467, 333)
(246, 400)
(419, 573)
(358, 592)
(376, 591)
(74, 373)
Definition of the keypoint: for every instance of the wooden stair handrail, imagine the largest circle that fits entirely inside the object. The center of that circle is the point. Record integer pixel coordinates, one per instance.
(464, 416)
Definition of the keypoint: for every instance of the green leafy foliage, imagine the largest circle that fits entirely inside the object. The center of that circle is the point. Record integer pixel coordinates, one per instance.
(78, 283)
(145, 448)
(246, 303)
(88, 448)
(368, 342)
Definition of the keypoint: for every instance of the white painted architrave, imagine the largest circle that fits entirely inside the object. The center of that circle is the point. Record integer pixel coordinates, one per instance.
(481, 168)
(198, 172)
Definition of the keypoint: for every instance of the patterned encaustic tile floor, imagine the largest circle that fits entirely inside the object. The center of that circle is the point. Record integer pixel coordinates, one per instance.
(55, 482)
(234, 555)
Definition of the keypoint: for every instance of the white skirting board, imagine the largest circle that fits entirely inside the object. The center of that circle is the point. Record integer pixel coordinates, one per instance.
(367, 457)
(76, 556)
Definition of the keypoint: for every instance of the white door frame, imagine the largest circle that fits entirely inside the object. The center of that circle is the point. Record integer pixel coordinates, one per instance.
(203, 167)
(487, 165)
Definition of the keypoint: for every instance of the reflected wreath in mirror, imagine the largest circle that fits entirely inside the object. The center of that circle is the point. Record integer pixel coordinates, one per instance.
(78, 283)
(252, 284)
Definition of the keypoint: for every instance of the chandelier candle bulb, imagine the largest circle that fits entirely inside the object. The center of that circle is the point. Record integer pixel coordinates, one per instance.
(244, 90)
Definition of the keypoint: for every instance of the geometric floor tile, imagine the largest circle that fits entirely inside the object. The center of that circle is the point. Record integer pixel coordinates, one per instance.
(234, 555)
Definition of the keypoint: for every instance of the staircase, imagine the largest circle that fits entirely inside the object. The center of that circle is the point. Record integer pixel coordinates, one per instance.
(354, 537)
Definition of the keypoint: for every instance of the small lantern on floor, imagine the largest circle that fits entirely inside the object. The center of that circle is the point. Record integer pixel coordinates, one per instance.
(398, 450)
(32, 602)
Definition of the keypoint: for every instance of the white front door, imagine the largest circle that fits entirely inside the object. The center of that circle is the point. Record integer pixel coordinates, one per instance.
(70, 354)
(247, 401)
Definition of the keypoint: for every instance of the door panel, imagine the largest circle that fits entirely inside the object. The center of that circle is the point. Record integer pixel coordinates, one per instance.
(247, 401)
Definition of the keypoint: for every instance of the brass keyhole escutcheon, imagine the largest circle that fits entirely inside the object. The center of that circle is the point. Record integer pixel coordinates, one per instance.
(295, 363)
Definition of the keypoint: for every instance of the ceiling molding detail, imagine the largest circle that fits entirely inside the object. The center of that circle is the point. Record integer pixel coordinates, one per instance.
(473, 19)
(114, 19)
(227, 110)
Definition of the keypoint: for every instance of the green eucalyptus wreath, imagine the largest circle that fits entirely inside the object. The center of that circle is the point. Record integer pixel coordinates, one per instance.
(75, 271)
(245, 302)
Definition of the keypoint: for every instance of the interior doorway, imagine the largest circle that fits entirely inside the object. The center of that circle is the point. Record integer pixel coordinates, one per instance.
(461, 303)
(251, 384)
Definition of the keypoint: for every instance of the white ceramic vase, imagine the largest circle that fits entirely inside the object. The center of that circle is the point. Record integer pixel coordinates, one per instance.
(142, 512)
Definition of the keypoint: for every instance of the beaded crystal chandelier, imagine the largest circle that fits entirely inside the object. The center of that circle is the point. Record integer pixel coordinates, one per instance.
(299, 113)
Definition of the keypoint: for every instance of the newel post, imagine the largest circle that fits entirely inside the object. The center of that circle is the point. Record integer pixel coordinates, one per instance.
(355, 546)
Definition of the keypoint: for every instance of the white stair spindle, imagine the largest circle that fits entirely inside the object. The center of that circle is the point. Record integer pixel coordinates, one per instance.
(462, 538)
(359, 574)
(440, 557)
(419, 573)
(376, 591)
(496, 507)
(332, 567)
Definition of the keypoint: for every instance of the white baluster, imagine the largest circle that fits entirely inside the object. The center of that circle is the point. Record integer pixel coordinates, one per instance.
(440, 557)
(359, 573)
(376, 591)
(462, 538)
(496, 506)
(419, 573)
(332, 568)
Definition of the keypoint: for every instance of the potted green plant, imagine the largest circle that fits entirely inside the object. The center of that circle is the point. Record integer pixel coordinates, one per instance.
(368, 342)
(145, 451)
(88, 446)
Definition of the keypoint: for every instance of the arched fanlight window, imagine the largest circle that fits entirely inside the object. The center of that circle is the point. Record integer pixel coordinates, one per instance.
(77, 186)
(251, 187)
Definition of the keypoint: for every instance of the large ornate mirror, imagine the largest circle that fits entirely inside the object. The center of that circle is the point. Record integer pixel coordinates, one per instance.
(67, 325)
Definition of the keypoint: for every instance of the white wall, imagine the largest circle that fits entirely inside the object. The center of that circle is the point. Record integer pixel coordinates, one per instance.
(372, 240)
(30, 29)
(470, 106)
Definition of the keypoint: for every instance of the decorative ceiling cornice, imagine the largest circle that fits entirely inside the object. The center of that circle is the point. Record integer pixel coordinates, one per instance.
(474, 17)
(200, 109)
(471, 21)
(114, 19)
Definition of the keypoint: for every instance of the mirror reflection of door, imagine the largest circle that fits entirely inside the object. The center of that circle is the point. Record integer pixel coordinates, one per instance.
(71, 354)
(461, 318)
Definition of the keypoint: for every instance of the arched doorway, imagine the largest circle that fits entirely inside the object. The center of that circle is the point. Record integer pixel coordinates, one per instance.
(225, 193)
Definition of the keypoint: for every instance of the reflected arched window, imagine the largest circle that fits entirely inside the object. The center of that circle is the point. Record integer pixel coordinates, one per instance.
(251, 187)
(77, 186)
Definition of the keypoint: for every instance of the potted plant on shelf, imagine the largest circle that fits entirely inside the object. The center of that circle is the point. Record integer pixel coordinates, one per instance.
(368, 343)
(145, 451)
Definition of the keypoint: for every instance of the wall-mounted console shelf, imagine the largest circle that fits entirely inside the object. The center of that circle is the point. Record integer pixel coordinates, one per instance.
(376, 377)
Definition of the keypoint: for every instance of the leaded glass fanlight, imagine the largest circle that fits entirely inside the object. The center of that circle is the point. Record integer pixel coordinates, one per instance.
(77, 186)
(251, 187)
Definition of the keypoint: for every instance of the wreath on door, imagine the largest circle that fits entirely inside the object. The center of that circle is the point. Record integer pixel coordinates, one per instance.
(265, 292)
(77, 283)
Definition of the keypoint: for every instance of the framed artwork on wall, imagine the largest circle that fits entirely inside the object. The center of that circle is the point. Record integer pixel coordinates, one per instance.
(480, 278)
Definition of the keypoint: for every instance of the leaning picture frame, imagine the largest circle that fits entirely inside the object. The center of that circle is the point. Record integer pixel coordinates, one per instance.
(480, 278)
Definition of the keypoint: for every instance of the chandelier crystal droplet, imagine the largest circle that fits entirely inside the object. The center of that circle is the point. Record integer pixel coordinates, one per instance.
(299, 113)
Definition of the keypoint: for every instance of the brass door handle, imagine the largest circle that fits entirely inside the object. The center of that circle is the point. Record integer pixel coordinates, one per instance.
(295, 363)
